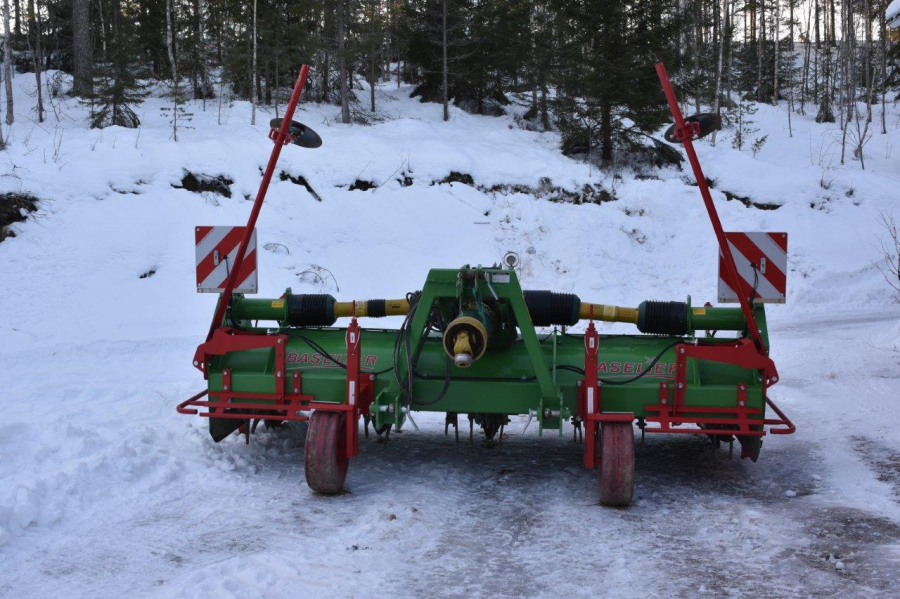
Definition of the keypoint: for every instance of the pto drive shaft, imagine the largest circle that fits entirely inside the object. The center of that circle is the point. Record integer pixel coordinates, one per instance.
(546, 309)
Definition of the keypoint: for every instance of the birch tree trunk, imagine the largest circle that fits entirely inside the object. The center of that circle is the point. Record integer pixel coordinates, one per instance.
(372, 78)
(170, 47)
(35, 28)
(697, 33)
(102, 27)
(760, 28)
(804, 78)
(883, 21)
(255, 74)
(202, 51)
(867, 15)
(847, 13)
(777, 40)
(342, 62)
(7, 65)
(730, 35)
(444, 67)
(816, 56)
(717, 108)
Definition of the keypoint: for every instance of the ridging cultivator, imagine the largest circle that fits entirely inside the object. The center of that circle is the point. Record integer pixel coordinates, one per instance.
(469, 344)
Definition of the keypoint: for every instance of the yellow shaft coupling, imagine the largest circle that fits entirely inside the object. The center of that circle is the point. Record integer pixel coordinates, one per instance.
(400, 307)
(375, 308)
(607, 313)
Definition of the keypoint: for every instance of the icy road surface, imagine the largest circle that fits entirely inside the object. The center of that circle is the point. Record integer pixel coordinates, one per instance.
(116, 495)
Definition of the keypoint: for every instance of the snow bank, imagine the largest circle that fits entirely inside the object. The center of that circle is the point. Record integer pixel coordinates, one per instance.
(892, 14)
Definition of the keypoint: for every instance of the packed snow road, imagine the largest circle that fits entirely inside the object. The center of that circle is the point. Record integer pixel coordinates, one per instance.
(107, 492)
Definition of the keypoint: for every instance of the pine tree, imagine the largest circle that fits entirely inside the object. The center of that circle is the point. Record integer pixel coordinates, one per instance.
(740, 118)
(117, 84)
(372, 28)
(608, 92)
(438, 42)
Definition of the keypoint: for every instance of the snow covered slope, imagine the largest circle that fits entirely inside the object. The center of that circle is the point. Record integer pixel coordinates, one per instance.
(107, 491)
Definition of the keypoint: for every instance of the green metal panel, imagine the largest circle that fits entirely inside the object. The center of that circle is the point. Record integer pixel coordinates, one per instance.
(502, 382)
(515, 376)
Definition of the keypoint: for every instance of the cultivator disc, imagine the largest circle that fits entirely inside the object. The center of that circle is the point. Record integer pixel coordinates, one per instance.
(300, 134)
(707, 121)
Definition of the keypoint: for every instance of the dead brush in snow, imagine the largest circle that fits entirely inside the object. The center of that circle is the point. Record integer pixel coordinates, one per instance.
(319, 275)
(14, 208)
(299, 180)
(199, 183)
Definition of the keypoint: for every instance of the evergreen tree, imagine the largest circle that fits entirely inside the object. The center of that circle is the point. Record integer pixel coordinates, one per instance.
(582, 66)
(740, 118)
(609, 96)
(117, 80)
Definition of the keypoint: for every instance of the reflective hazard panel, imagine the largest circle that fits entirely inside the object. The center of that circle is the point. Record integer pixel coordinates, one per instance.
(761, 260)
(216, 251)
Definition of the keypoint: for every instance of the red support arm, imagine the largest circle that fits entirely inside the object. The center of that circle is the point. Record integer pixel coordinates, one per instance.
(279, 140)
(684, 132)
(354, 387)
(591, 393)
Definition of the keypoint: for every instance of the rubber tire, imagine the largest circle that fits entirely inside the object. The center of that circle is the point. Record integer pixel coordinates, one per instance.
(616, 464)
(326, 452)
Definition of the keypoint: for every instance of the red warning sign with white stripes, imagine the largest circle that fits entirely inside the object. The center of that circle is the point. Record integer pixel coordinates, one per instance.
(216, 251)
(761, 260)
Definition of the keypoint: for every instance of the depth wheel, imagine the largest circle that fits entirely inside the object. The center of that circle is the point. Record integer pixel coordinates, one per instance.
(616, 463)
(326, 452)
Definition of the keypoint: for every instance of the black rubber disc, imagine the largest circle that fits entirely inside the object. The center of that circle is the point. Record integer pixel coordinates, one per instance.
(709, 122)
(303, 135)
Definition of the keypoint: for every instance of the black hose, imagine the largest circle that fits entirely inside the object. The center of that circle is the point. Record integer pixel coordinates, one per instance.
(319, 350)
(403, 343)
(646, 370)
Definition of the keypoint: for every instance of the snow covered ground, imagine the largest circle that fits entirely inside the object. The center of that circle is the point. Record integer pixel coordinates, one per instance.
(107, 491)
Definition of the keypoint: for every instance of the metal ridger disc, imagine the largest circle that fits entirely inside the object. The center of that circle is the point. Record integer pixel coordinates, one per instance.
(303, 135)
(709, 122)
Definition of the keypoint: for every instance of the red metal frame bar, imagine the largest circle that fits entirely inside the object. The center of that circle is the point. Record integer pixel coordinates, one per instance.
(282, 405)
(280, 139)
(673, 411)
(789, 427)
(359, 387)
(194, 400)
(590, 408)
(589, 403)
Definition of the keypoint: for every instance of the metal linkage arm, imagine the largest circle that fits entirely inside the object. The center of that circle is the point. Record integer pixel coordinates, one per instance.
(280, 139)
(683, 133)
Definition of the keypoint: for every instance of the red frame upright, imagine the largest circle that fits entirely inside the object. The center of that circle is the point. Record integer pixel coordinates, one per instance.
(746, 353)
(683, 133)
(281, 138)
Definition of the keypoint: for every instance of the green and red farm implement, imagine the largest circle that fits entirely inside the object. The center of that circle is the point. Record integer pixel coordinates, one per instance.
(469, 344)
